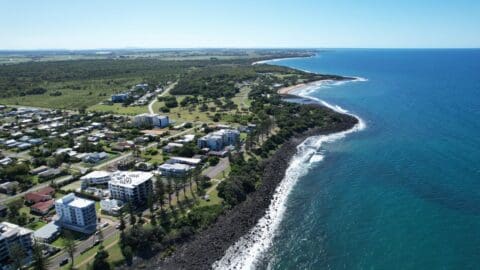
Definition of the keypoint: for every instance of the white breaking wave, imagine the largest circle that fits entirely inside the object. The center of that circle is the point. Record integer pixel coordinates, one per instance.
(250, 248)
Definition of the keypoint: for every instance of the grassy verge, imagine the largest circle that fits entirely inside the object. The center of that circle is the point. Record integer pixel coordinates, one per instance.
(117, 108)
(111, 246)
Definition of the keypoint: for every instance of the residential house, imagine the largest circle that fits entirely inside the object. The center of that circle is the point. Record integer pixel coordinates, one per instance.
(47, 233)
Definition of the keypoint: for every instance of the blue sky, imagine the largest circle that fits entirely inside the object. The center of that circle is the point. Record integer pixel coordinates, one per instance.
(85, 24)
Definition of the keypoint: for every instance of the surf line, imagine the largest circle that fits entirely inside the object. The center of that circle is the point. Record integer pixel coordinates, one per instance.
(250, 248)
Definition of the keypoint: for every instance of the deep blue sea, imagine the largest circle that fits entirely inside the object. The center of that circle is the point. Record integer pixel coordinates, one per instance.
(403, 193)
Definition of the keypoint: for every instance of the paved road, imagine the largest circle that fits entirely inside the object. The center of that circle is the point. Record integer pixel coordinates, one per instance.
(215, 170)
(35, 188)
(108, 232)
(150, 106)
(112, 161)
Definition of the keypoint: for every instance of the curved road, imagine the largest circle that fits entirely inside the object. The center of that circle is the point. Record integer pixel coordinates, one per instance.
(150, 106)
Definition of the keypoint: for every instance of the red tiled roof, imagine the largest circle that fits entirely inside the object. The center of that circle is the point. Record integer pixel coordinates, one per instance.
(43, 207)
(36, 197)
(46, 191)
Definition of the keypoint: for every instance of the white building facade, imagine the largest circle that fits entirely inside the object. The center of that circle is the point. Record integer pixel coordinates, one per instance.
(154, 120)
(132, 187)
(217, 140)
(11, 235)
(76, 213)
(96, 178)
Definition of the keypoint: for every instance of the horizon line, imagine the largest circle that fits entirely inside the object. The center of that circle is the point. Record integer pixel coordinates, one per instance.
(235, 48)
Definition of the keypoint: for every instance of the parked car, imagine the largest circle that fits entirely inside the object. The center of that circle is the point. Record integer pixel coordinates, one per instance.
(64, 262)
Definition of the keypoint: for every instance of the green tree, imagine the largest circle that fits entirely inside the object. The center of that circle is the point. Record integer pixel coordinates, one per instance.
(160, 192)
(17, 254)
(40, 262)
(70, 247)
(128, 254)
(122, 225)
(100, 261)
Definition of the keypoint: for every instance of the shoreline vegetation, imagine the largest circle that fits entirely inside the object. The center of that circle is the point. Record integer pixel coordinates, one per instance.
(195, 231)
(209, 245)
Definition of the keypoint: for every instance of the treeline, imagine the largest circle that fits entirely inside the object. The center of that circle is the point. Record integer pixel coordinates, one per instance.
(276, 122)
(222, 80)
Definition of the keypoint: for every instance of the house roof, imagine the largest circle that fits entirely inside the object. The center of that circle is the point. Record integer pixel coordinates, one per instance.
(36, 197)
(47, 231)
(43, 206)
(46, 191)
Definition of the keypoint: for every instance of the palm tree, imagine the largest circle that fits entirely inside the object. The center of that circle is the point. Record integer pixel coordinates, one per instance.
(169, 191)
(160, 192)
(197, 171)
(70, 247)
(40, 262)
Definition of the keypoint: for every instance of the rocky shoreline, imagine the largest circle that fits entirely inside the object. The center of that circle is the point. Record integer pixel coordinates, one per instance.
(209, 245)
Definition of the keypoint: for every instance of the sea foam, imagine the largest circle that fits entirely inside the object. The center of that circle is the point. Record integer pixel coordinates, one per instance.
(249, 249)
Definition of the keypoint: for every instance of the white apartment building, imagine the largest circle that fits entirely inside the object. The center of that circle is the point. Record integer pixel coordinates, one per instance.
(154, 120)
(175, 169)
(12, 234)
(76, 213)
(96, 178)
(217, 140)
(132, 187)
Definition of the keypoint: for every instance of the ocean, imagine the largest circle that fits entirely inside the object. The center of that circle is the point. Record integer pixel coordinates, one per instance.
(399, 191)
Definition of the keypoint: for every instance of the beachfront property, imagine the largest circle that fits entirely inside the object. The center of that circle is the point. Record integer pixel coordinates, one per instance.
(184, 160)
(131, 186)
(119, 98)
(111, 206)
(76, 214)
(217, 140)
(95, 178)
(47, 233)
(151, 120)
(175, 169)
(12, 235)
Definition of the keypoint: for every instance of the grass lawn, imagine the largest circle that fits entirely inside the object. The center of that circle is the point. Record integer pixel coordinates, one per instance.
(213, 197)
(241, 99)
(72, 186)
(111, 245)
(158, 158)
(36, 225)
(91, 92)
(76, 236)
(117, 108)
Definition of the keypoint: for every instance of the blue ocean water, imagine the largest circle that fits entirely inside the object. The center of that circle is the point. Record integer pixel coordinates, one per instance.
(405, 192)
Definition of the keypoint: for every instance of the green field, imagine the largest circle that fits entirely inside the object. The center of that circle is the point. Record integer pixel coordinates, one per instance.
(111, 245)
(118, 108)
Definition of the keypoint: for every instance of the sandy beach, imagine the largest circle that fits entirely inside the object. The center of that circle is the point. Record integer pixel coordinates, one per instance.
(290, 89)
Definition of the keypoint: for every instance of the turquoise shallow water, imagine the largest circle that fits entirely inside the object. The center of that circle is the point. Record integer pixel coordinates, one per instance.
(405, 192)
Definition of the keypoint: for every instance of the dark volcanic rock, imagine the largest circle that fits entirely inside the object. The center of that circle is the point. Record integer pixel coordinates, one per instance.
(210, 244)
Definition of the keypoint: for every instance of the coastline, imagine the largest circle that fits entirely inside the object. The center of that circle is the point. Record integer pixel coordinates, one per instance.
(237, 222)
(207, 248)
